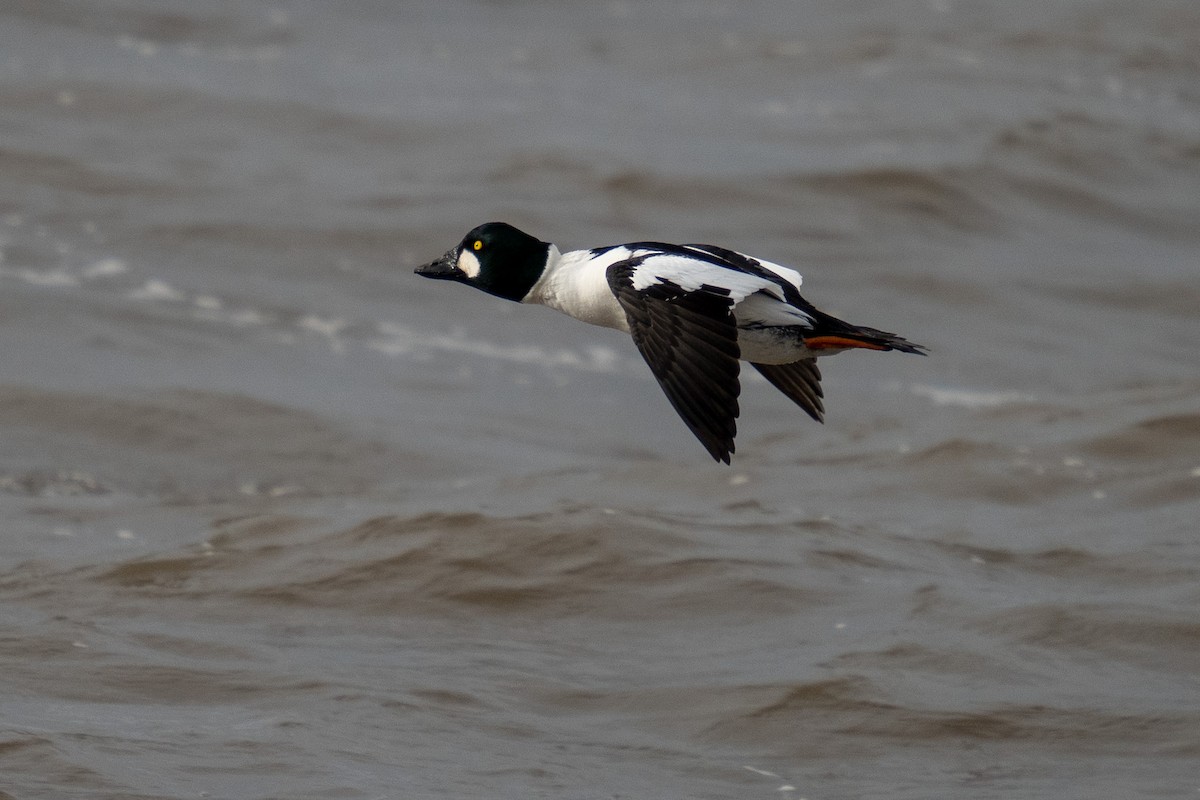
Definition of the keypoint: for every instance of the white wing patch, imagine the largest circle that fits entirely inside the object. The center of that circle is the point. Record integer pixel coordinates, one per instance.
(690, 274)
(787, 273)
(757, 301)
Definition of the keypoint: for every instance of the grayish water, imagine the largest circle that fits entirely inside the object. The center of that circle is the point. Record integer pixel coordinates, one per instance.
(281, 520)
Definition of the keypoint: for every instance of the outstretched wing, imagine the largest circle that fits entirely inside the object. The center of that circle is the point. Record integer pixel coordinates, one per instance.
(800, 381)
(688, 337)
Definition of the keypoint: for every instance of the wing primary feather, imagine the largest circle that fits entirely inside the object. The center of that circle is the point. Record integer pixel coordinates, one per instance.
(689, 341)
(800, 381)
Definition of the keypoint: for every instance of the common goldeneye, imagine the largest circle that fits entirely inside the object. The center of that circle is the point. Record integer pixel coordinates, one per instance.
(694, 311)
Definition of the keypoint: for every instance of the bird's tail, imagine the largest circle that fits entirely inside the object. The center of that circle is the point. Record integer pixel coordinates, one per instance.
(846, 337)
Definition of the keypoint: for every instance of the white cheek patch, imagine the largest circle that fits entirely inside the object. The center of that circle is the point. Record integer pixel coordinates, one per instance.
(469, 264)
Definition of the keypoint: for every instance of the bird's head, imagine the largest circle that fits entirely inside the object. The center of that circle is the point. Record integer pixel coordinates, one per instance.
(494, 257)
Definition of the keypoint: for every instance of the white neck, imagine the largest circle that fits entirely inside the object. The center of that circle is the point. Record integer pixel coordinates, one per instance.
(575, 284)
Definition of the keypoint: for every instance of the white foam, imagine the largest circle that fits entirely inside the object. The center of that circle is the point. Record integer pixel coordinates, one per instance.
(155, 289)
(105, 268)
(325, 327)
(208, 302)
(142, 47)
(398, 340)
(969, 398)
(212, 309)
(50, 277)
(246, 317)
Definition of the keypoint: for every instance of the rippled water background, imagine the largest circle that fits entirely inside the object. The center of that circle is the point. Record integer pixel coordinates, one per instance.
(281, 520)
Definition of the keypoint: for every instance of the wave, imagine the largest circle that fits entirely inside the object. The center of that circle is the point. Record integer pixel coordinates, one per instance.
(547, 565)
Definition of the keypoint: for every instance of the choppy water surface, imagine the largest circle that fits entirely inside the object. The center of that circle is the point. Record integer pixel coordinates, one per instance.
(282, 520)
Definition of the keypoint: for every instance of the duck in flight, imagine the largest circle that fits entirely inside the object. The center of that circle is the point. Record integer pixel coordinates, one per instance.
(694, 311)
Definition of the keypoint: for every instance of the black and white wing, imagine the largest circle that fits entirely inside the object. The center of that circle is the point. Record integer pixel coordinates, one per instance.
(688, 336)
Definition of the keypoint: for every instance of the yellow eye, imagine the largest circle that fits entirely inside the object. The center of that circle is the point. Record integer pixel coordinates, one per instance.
(478, 244)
